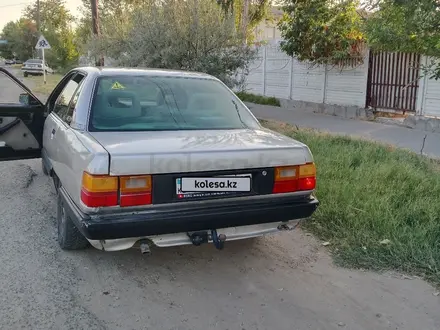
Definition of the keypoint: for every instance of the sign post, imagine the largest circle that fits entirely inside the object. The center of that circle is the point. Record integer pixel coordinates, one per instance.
(43, 44)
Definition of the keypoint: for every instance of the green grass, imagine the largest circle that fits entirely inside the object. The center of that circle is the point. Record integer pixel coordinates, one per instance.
(259, 99)
(38, 86)
(370, 192)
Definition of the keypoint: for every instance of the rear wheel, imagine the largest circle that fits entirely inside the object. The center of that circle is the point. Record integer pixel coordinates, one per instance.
(69, 237)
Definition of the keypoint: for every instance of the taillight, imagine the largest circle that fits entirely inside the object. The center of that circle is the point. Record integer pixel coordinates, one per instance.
(99, 190)
(307, 177)
(104, 190)
(286, 179)
(294, 178)
(135, 190)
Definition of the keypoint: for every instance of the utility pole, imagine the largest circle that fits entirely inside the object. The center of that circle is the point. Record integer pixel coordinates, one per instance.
(38, 17)
(245, 18)
(95, 28)
(38, 24)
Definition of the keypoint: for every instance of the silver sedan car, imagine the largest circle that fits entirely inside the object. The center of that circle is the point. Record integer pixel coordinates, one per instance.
(35, 67)
(156, 157)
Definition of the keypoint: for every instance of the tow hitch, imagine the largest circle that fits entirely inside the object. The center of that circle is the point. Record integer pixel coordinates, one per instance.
(200, 237)
(218, 240)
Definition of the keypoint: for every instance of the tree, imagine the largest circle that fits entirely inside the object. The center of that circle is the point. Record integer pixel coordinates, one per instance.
(406, 26)
(322, 31)
(56, 25)
(257, 11)
(22, 38)
(190, 35)
(114, 17)
(7, 50)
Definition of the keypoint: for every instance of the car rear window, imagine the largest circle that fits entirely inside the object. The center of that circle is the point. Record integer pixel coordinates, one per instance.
(150, 103)
(34, 61)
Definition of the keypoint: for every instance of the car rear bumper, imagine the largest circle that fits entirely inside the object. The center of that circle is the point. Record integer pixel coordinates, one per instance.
(29, 70)
(178, 239)
(189, 217)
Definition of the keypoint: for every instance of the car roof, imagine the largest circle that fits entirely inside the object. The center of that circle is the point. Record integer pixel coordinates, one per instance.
(111, 71)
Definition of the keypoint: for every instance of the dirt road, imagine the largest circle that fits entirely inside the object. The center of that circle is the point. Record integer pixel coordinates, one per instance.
(280, 282)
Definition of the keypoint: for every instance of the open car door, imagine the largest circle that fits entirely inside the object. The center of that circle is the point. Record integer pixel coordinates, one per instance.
(22, 118)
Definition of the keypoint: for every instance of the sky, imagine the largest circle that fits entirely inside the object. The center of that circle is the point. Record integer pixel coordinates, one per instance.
(10, 10)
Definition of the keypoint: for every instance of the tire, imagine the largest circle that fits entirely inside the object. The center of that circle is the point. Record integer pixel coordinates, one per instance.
(44, 168)
(69, 237)
(25, 74)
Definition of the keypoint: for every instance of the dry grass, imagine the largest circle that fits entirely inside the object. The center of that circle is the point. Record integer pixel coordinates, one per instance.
(38, 86)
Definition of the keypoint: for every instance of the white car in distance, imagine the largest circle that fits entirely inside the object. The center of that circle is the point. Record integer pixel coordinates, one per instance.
(34, 67)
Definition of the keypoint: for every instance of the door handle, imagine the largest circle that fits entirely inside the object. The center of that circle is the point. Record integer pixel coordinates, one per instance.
(53, 131)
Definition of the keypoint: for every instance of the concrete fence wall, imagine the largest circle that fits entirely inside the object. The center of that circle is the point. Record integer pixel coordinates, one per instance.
(273, 73)
(428, 96)
(324, 89)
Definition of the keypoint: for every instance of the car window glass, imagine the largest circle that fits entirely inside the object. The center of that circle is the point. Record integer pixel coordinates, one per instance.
(61, 107)
(34, 61)
(11, 92)
(71, 108)
(144, 103)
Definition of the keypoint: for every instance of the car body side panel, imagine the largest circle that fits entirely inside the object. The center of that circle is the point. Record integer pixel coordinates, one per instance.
(63, 144)
(78, 153)
(48, 144)
(70, 153)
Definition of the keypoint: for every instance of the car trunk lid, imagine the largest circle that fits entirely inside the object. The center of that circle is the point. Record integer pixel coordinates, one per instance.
(173, 156)
(161, 152)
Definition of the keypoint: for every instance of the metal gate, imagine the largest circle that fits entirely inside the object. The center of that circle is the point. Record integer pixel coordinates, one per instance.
(393, 80)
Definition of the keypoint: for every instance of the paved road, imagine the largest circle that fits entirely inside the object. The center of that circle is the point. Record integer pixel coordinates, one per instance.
(280, 282)
(400, 136)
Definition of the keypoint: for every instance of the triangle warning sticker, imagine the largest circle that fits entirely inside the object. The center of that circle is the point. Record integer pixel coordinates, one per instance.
(117, 85)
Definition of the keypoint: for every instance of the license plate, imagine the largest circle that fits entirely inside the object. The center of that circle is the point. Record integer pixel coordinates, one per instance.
(224, 184)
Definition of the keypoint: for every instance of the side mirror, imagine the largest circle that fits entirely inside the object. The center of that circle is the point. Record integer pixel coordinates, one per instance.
(26, 99)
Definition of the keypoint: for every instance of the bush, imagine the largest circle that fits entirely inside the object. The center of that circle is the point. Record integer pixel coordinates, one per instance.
(259, 99)
(174, 34)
